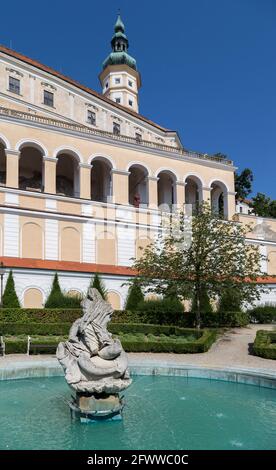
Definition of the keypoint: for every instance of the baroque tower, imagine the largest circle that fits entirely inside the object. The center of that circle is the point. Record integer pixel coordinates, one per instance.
(120, 79)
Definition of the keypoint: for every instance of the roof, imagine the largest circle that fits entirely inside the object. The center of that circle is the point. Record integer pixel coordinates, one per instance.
(45, 68)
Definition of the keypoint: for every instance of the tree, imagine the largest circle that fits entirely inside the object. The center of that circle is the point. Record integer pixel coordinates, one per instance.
(209, 255)
(98, 284)
(10, 299)
(56, 297)
(205, 304)
(243, 183)
(135, 295)
(230, 300)
(263, 206)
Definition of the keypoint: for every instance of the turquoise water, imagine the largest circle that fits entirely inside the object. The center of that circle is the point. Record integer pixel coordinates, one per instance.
(161, 413)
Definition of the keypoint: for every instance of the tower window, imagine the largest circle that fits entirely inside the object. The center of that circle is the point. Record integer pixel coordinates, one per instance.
(117, 81)
(48, 98)
(14, 85)
(116, 128)
(130, 102)
(106, 85)
(118, 100)
(91, 117)
(130, 83)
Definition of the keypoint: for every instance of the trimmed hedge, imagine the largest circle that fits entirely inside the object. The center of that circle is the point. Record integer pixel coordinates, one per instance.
(265, 344)
(35, 329)
(42, 315)
(169, 344)
(263, 314)
(134, 337)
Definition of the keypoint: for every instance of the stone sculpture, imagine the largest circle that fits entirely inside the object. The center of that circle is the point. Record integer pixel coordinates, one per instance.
(95, 364)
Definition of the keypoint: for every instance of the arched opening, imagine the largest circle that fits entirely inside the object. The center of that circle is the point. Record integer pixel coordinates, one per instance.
(219, 199)
(67, 175)
(101, 180)
(106, 248)
(31, 168)
(166, 189)
(138, 186)
(32, 241)
(33, 298)
(193, 192)
(114, 299)
(70, 244)
(2, 164)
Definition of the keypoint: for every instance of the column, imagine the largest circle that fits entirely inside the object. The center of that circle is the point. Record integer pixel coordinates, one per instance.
(206, 195)
(85, 180)
(153, 192)
(49, 175)
(120, 183)
(180, 194)
(230, 205)
(12, 168)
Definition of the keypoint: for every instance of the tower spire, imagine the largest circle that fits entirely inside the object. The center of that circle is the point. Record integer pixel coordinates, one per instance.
(122, 88)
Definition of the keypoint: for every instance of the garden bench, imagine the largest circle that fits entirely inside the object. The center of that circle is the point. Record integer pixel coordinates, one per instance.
(2, 346)
(38, 346)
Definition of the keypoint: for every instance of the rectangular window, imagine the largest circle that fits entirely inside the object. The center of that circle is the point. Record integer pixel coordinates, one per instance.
(116, 128)
(130, 102)
(14, 85)
(138, 137)
(118, 100)
(130, 83)
(117, 81)
(48, 98)
(91, 117)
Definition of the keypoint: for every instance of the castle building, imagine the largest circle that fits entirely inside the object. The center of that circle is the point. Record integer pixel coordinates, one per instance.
(85, 180)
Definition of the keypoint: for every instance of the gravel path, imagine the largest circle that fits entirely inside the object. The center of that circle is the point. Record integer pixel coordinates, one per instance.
(232, 349)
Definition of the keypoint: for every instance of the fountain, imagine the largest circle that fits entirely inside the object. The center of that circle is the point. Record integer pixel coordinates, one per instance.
(95, 364)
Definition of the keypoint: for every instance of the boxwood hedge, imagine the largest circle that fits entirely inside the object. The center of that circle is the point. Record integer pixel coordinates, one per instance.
(265, 344)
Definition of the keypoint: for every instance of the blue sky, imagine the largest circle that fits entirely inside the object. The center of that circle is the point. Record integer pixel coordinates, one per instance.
(208, 66)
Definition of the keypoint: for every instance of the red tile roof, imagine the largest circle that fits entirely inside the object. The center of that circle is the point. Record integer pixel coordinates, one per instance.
(30, 263)
(69, 80)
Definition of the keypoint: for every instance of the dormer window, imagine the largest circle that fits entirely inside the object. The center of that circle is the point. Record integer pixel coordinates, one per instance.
(91, 117)
(14, 85)
(48, 98)
(116, 128)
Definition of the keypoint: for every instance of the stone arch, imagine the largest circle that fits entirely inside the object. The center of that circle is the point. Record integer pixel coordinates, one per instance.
(32, 241)
(219, 194)
(33, 298)
(5, 141)
(114, 299)
(74, 293)
(106, 248)
(166, 189)
(3, 162)
(101, 179)
(67, 172)
(138, 188)
(193, 190)
(102, 156)
(31, 167)
(75, 153)
(31, 143)
(141, 164)
(70, 244)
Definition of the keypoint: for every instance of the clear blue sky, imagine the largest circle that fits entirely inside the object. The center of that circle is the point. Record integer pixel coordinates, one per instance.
(208, 66)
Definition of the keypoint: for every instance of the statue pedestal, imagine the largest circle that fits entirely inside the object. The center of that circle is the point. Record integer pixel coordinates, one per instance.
(90, 408)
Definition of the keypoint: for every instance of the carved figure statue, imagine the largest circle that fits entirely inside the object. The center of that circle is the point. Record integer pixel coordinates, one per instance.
(93, 361)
